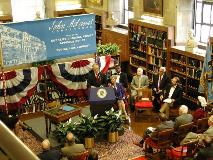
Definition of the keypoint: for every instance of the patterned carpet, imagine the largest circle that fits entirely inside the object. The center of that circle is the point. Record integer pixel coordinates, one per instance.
(124, 149)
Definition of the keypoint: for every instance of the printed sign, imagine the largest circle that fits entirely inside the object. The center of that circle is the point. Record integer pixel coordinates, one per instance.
(47, 39)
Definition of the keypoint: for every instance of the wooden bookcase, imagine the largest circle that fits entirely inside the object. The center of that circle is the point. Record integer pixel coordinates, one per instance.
(100, 20)
(149, 44)
(120, 37)
(188, 67)
(69, 12)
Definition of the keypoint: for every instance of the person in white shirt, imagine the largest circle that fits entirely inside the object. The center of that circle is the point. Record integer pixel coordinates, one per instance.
(172, 97)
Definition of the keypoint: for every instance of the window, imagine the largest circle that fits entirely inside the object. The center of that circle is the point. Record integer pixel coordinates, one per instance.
(128, 11)
(203, 20)
(26, 10)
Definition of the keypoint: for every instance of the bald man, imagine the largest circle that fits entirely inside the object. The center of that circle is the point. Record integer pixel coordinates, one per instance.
(95, 77)
(139, 81)
(72, 149)
(48, 153)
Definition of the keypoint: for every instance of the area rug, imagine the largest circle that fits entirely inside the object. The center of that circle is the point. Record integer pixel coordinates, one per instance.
(124, 149)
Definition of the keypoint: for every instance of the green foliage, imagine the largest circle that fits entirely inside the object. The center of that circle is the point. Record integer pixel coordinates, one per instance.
(87, 127)
(63, 128)
(108, 49)
(113, 120)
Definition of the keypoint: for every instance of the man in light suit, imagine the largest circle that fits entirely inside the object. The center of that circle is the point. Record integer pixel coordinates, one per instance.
(160, 82)
(209, 131)
(139, 81)
(72, 149)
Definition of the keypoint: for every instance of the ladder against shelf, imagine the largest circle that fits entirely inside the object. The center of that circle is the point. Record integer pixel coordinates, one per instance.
(188, 67)
(149, 45)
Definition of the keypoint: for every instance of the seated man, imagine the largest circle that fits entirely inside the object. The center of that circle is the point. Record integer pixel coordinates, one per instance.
(172, 97)
(139, 81)
(49, 154)
(152, 132)
(160, 83)
(183, 117)
(207, 151)
(194, 136)
(72, 149)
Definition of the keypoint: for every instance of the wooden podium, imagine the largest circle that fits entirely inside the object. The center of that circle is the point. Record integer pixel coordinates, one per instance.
(101, 99)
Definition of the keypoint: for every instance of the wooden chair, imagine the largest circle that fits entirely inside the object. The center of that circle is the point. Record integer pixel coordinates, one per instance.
(83, 156)
(144, 103)
(188, 150)
(162, 141)
(201, 125)
(181, 132)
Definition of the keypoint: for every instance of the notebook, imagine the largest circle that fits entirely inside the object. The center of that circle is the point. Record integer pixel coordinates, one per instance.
(68, 108)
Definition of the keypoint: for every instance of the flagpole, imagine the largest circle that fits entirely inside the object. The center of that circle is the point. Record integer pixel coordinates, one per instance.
(3, 76)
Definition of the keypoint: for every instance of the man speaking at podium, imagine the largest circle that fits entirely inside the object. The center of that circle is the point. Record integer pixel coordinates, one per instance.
(95, 77)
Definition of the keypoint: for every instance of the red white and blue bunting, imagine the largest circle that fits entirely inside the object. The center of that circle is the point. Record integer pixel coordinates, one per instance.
(71, 76)
(17, 86)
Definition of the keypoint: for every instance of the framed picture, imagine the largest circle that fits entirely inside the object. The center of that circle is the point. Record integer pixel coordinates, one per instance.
(153, 6)
(96, 2)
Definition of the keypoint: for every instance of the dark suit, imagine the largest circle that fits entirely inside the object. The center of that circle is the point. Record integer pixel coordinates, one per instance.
(123, 79)
(177, 96)
(50, 155)
(164, 83)
(183, 119)
(119, 91)
(96, 82)
(205, 153)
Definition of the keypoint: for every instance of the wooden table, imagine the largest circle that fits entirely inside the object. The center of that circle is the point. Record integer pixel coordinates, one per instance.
(57, 115)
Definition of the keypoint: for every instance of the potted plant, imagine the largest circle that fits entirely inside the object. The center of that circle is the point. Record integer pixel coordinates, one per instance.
(113, 121)
(86, 130)
(62, 129)
(108, 49)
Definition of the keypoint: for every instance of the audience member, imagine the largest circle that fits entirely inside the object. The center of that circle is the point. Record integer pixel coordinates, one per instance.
(206, 153)
(48, 153)
(139, 81)
(152, 132)
(199, 112)
(95, 77)
(72, 149)
(209, 131)
(172, 97)
(119, 94)
(9, 120)
(160, 83)
(183, 117)
(121, 76)
(93, 155)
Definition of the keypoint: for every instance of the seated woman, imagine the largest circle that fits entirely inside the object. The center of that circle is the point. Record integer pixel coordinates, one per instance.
(119, 94)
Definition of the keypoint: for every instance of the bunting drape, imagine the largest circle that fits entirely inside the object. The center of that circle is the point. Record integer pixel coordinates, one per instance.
(18, 86)
(71, 76)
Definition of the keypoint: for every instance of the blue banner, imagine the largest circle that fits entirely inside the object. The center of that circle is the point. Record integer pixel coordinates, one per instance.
(206, 84)
(47, 39)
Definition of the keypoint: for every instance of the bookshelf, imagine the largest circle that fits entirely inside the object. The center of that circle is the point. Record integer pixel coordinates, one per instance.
(69, 12)
(188, 67)
(100, 20)
(149, 44)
